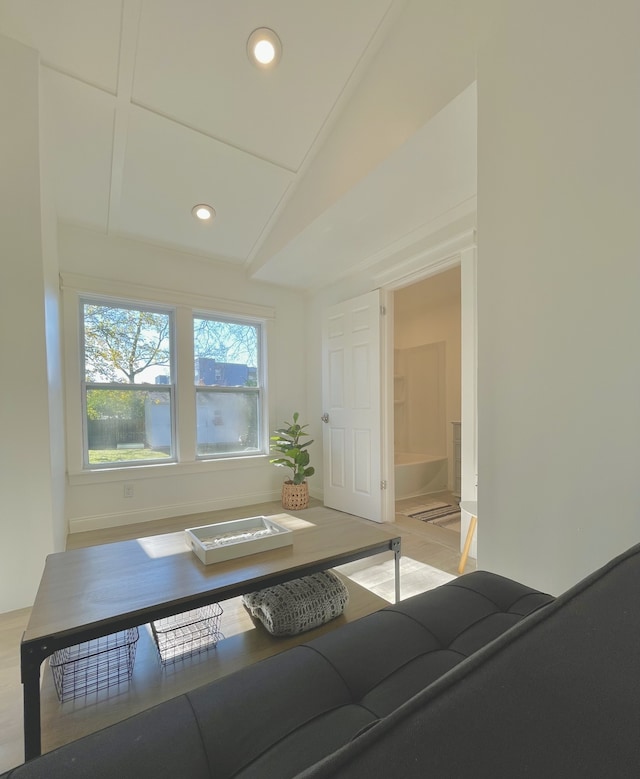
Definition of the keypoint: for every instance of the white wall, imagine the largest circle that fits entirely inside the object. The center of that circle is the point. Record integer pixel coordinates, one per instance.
(469, 389)
(558, 290)
(27, 518)
(55, 368)
(97, 499)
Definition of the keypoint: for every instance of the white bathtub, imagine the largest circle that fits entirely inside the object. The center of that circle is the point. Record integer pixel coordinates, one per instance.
(419, 474)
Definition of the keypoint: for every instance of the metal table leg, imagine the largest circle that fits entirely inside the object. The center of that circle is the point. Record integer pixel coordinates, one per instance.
(396, 545)
(30, 671)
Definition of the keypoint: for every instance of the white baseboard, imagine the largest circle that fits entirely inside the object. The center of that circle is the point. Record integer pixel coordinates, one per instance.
(318, 494)
(103, 521)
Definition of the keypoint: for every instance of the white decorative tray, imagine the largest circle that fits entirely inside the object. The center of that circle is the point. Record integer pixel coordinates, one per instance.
(227, 540)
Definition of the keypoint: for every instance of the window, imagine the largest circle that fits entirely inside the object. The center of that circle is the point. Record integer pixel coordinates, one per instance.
(128, 391)
(228, 386)
(167, 384)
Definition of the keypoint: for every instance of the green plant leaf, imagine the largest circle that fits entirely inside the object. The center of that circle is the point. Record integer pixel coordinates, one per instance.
(287, 442)
(281, 461)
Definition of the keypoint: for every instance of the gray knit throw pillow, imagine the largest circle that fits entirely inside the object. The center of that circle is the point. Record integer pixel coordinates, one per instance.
(302, 604)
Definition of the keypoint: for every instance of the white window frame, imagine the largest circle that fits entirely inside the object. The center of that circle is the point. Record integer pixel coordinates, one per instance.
(75, 287)
(260, 377)
(170, 389)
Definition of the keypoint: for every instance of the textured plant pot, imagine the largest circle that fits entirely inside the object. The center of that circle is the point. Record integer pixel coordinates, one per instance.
(295, 496)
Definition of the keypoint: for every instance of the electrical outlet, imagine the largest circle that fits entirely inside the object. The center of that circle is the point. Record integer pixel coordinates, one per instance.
(128, 490)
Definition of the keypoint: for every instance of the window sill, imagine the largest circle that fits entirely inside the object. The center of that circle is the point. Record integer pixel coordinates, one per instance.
(162, 470)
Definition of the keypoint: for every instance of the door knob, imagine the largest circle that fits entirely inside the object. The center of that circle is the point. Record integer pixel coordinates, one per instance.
(325, 417)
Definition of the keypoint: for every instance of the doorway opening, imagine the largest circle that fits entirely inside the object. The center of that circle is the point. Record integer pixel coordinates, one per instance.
(427, 382)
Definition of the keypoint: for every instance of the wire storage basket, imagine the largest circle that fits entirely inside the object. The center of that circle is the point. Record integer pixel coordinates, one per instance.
(94, 665)
(187, 634)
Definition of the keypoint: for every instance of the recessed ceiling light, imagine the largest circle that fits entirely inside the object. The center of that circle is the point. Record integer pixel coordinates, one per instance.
(203, 212)
(264, 48)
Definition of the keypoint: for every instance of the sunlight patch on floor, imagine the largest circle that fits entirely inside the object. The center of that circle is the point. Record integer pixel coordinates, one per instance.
(415, 577)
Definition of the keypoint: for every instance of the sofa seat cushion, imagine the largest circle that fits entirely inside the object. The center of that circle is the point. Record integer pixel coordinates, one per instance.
(454, 619)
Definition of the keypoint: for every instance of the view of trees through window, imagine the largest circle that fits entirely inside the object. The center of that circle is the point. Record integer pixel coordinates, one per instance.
(129, 382)
(125, 350)
(120, 344)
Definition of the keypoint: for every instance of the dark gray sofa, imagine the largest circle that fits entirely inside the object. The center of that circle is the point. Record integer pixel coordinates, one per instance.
(480, 677)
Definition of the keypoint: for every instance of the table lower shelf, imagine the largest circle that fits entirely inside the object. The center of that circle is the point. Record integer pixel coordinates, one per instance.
(244, 644)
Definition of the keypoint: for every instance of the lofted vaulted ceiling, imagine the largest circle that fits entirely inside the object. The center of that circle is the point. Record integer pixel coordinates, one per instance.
(149, 107)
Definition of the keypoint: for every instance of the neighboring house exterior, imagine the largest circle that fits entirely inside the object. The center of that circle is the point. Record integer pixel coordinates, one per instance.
(210, 372)
(224, 423)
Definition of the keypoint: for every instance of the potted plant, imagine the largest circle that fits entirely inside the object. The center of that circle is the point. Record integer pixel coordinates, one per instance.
(293, 454)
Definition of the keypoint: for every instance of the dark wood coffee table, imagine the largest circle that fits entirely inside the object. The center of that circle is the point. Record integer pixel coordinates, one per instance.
(96, 591)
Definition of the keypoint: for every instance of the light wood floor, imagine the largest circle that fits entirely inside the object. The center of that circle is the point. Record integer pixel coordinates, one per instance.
(430, 555)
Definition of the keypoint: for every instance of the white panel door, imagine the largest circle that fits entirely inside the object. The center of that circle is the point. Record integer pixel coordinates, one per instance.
(352, 406)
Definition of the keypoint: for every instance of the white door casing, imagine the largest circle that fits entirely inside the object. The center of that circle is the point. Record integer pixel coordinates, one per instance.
(351, 396)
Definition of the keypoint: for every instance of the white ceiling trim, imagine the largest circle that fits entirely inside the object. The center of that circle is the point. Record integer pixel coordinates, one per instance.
(427, 262)
(414, 242)
(78, 283)
(222, 141)
(126, 71)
